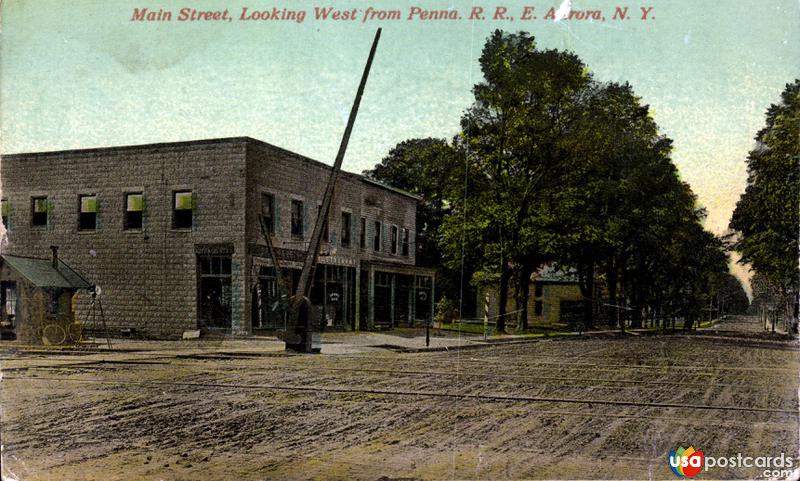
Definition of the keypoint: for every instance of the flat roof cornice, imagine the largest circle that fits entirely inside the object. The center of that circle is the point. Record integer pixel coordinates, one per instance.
(187, 144)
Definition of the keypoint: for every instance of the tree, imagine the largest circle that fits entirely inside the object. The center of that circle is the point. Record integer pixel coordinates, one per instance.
(767, 216)
(515, 137)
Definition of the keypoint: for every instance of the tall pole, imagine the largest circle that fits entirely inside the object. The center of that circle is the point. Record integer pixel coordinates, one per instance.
(305, 334)
(304, 285)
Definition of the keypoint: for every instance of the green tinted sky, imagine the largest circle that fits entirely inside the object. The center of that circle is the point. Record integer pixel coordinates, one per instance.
(81, 74)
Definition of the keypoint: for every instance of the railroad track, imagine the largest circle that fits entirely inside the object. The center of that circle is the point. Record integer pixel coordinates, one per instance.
(497, 378)
(409, 393)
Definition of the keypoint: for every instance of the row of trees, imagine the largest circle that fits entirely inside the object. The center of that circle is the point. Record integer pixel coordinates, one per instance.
(554, 166)
(766, 222)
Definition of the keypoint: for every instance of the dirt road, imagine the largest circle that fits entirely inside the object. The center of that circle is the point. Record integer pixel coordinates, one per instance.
(603, 407)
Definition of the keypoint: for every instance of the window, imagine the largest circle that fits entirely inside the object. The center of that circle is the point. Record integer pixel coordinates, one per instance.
(268, 211)
(4, 211)
(39, 211)
(394, 239)
(346, 229)
(297, 218)
(376, 237)
(182, 209)
(362, 235)
(87, 215)
(134, 207)
(406, 236)
(325, 236)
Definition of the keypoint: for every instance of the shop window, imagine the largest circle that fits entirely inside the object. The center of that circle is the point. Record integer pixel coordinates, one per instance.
(215, 293)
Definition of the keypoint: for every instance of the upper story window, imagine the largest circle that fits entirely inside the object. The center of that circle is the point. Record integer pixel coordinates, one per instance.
(394, 239)
(182, 209)
(4, 211)
(297, 218)
(38, 211)
(346, 216)
(405, 241)
(134, 209)
(87, 215)
(325, 234)
(376, 237)
(268, 211)
(362, 234)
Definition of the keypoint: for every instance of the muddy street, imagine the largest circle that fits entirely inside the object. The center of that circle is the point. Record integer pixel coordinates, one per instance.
(589, 407)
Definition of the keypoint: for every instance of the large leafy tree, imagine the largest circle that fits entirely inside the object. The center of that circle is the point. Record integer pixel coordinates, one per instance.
(626, 194)
(515, 138)
(767, 216)
(558, 167)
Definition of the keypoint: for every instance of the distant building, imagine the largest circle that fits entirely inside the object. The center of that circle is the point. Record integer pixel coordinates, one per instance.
(170, 232)
(554, 298)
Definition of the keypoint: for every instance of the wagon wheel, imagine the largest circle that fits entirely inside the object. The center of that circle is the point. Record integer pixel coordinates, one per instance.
(53, 334)
(76, 332)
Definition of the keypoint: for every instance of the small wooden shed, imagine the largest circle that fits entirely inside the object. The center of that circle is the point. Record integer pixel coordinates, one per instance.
(36, 293)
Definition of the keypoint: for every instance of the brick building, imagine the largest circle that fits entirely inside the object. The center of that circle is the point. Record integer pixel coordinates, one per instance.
(170, 232)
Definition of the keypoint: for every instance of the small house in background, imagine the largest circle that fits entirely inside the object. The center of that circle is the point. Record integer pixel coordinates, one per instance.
(554, 298)
(36, 293)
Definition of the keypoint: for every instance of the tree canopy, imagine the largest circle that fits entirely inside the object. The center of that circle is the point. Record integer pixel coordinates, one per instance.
(766, 220)
(553, 166)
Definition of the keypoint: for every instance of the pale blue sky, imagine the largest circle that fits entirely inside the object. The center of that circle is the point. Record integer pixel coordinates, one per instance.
(81, 74)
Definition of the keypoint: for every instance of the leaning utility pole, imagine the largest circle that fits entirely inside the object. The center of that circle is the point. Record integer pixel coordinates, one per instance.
(305, 335)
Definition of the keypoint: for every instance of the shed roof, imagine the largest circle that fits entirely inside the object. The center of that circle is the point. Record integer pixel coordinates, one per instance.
(41, 273)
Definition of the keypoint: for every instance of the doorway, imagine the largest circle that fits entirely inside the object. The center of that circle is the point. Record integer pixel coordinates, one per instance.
(214, 292)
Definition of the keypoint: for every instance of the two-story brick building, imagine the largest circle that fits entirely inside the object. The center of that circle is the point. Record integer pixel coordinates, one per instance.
(171, 234)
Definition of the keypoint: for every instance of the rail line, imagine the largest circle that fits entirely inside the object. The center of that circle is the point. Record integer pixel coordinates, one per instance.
(101, 365)
(381, 392)
(230, 356)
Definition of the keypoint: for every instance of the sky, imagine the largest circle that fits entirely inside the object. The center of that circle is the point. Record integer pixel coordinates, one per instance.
(83, 74)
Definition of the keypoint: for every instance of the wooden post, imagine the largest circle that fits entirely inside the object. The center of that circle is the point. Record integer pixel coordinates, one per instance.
(485, 314)
(433, 297)
(410, 303)
(391, 301)
(414, 299)
(325, 294)
(371, 298)
(358, 296)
